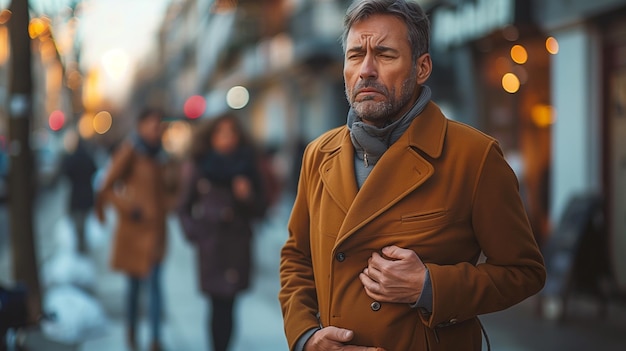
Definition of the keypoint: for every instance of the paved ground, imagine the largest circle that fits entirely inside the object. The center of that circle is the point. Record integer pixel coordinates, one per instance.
(259, 323)
(258, 316)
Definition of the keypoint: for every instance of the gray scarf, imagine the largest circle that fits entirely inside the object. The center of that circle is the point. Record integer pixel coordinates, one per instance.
(371, 142)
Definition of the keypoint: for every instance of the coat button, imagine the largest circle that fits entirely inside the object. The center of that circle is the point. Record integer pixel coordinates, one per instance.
(340, 257)
(375, 306)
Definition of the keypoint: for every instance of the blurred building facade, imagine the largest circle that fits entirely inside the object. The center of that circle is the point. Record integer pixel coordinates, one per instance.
(53, 97)
(546, 78)
(284, 54)
(589, 94)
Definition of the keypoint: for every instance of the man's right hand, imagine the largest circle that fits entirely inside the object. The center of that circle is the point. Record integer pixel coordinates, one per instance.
(334, 339)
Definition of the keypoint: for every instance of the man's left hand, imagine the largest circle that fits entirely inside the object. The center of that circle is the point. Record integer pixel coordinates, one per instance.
(395, 276)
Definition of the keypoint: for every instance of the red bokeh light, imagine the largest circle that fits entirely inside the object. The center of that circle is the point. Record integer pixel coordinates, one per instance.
(194, 106)
(56, 120)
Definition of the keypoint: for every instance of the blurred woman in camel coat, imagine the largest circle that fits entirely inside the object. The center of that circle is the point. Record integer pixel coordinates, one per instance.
(138, 188)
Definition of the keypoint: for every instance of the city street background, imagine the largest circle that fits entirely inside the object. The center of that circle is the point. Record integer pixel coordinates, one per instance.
(258, 316)
(547, 79)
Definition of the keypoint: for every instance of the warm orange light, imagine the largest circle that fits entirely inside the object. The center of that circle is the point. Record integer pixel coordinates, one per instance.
(519, 54)
(74, 79)
(543, 115)
(177, 138)
(85, 126)
(4, 45)
(552, 45)
(102, 122)
(36, 27)
(5, 16)
(92, 97)
(510, 83)
(48, 51)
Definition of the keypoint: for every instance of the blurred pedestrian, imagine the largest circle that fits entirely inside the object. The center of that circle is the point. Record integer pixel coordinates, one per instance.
(395, 209)
(222, 196)
(79, 167)
(137, 187)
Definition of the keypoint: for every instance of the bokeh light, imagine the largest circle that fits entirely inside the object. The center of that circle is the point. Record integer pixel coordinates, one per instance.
(194, 106)
(5, 47)
(74, 79)
(116, 63)
(102, 122)
(237, 97)
(5, 16)
(56, 120)
(510, 83)
(519, 54)
(177, 138)
(543, 115)
(36, 27)
(552, 45)
(85, 126)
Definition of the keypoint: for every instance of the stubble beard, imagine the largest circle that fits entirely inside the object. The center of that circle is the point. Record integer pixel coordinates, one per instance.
(381, 112)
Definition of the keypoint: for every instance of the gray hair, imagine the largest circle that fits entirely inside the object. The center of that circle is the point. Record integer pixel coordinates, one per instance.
(408, 11)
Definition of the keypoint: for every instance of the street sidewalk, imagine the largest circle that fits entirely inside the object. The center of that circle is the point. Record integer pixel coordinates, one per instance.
(259, 321)
(258, 316)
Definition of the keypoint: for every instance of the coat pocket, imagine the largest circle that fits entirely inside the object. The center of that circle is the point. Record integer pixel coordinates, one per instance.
(426, 219)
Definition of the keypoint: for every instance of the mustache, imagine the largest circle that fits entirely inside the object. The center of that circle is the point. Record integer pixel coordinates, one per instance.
(368, 83)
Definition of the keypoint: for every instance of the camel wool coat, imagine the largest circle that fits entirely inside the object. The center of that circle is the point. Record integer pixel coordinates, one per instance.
(443, 190)
(141, 193)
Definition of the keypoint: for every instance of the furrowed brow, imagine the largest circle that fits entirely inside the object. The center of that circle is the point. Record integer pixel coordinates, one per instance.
(385, 49)
(379, 49)
(356, 49)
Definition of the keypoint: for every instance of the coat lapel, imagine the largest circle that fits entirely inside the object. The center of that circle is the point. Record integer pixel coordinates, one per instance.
(337, 172)
(399, 171)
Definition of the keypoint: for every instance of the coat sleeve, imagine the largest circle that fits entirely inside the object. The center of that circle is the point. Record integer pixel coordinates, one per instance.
(256, 205)
(297, 295)
(120, 163)
(514, 268)
(185, 201)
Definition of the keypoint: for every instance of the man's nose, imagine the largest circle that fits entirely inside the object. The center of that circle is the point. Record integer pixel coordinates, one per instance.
(368, 68)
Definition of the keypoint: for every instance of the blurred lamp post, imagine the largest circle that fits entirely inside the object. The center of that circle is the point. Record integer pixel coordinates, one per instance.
(21, 181)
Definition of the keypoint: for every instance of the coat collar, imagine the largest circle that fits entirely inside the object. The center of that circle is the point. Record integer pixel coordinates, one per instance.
(426, 132)
(383, 188)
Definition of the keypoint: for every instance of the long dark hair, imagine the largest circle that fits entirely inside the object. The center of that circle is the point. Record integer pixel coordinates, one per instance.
(205, 131)
(148, 112)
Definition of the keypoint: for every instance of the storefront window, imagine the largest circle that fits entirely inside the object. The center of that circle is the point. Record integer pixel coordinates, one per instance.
(514, 81)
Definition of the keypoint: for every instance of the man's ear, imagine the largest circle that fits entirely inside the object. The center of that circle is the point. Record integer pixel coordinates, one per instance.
(424, 68)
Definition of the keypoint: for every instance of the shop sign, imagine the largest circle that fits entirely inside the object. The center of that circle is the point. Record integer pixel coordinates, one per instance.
(469, 21)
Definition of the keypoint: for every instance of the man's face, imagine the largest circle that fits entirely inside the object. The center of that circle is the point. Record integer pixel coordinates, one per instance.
(380, 75)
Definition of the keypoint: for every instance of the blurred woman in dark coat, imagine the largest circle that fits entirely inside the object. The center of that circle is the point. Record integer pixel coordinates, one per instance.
(222, 195)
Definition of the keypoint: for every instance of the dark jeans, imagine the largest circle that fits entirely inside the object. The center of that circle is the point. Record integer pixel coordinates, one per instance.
(79, 218)
(221, 324)
(155, 301)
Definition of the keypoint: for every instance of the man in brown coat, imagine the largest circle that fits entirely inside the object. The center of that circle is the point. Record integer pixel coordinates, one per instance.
(136, 186)
(394, 210)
